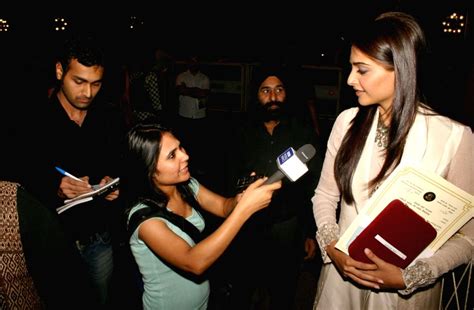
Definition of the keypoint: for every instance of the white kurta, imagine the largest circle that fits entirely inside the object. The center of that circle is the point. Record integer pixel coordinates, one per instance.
(435, 143)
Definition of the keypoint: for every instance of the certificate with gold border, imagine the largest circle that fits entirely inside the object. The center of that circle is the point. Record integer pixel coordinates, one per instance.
(445, 206)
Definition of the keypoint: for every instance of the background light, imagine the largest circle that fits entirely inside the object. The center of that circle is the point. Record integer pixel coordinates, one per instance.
(60, 24)
(4, 26)
(453, 24)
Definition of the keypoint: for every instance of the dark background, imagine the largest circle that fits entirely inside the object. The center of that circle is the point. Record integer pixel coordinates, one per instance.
(226, 29)
(237, 32)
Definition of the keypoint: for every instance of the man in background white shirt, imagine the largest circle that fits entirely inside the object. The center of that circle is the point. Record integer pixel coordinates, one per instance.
(193, 88)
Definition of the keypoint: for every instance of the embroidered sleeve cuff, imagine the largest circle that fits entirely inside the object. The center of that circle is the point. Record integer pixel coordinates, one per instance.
(325, 235)
(417, 276)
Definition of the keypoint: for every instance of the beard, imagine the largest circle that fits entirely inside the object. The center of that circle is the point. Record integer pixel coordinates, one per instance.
(271, 111)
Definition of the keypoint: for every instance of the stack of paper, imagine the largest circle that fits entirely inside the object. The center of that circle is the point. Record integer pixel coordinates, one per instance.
(96, 191)
(445, 206)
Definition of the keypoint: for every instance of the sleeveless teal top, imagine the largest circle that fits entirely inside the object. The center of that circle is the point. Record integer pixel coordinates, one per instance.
(163, 287)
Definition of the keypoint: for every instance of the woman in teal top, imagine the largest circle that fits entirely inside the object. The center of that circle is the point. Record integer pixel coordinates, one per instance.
(170, 262)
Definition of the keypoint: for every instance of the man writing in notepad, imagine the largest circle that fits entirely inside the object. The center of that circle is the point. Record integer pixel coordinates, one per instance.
(81, 133)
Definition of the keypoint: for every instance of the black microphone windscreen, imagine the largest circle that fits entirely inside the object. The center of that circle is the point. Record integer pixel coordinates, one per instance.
(306, 152)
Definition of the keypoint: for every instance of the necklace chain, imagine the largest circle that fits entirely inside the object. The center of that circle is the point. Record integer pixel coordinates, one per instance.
(381, 136)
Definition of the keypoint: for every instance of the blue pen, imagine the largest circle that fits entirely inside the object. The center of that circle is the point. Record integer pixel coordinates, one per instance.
(63, 172)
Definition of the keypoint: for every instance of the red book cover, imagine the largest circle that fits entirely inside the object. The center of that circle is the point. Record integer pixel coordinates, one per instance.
(397, 235)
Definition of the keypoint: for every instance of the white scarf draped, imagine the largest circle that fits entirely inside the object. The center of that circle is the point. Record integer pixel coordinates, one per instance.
(431, 144)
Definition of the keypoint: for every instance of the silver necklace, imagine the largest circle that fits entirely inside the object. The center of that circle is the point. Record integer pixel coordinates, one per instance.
(381, 136)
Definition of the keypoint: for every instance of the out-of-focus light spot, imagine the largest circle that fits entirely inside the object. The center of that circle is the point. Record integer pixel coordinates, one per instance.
(452, 24)
(60, 24)
(4, 26)
(135, 22)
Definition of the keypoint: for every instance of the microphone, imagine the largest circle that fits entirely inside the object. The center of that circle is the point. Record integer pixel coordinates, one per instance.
(292, 164)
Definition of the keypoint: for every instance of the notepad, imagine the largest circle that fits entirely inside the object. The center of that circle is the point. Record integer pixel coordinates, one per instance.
(97, 191)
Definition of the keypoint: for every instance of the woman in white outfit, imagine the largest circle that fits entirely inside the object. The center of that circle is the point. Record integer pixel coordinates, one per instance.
(390, 127)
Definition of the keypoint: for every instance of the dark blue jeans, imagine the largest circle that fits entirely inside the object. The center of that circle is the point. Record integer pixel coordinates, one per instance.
(98, 256)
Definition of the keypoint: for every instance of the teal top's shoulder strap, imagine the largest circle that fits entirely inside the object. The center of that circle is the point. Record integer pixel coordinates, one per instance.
(157, 211)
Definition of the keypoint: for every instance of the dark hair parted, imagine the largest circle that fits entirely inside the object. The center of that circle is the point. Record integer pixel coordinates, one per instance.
(144, 147)
(394, 40)
(86, 49)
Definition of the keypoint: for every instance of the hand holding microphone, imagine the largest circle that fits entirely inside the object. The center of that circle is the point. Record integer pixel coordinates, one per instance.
(290, 164)
(257, 196)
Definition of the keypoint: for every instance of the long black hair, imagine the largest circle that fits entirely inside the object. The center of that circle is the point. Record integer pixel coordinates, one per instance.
(144, 146)
(394, 40)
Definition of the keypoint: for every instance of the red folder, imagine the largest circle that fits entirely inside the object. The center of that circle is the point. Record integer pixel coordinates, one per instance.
(397, 235)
